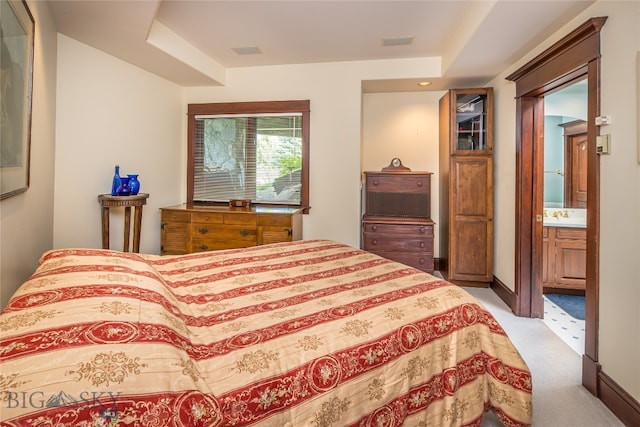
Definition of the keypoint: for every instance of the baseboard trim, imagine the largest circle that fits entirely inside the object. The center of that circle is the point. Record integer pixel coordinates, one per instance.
(505, 294)
(621, 403)
(590, 372)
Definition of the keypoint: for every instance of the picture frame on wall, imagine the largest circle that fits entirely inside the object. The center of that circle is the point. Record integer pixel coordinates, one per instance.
(17, 28)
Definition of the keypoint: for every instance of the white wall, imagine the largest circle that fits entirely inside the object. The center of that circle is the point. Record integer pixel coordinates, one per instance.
(403, 125)
(110, 112)
(26, 220)
(619, 345)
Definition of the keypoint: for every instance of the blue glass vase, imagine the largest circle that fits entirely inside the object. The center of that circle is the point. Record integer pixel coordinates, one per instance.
(116, 182)
(123, 189)
(134, 184)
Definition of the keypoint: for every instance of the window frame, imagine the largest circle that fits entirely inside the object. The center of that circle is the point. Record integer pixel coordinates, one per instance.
(240, 108)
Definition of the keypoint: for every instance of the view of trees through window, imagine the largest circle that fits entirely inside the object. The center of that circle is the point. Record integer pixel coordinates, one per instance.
(256, 151)
(249, 157)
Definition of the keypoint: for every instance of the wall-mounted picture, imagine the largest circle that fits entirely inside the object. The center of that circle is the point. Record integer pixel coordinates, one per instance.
(16, 60)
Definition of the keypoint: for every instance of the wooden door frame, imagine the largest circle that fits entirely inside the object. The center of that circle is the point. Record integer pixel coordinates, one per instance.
(572, 58)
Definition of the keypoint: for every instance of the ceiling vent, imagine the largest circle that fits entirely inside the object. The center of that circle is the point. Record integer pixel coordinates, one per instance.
(249, 50)
(397, 41)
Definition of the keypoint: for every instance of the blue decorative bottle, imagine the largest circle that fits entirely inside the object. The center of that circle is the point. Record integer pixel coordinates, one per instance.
(116, 182)
(123, 188)
(134, 184)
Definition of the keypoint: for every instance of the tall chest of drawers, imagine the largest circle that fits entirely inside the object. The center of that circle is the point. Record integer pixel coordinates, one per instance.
(397, 223)
(204, 228)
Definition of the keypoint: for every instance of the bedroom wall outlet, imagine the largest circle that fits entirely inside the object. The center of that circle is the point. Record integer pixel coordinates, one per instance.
(603, 144)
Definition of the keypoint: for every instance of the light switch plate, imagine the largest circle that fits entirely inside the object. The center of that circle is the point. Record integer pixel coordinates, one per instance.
(603, 144)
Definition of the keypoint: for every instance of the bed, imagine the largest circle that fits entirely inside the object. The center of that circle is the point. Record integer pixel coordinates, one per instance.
(307, 333)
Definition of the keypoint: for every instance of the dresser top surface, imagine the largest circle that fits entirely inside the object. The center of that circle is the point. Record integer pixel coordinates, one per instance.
(397, 173)
(251, 209)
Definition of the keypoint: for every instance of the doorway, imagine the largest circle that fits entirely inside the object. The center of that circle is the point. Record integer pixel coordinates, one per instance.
(571, 59)
(565, 149)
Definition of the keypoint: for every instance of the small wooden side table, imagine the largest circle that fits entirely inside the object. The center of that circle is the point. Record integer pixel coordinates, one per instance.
(108, 201)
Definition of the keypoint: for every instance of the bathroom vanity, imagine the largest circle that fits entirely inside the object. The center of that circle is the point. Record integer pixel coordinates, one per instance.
(564, 250)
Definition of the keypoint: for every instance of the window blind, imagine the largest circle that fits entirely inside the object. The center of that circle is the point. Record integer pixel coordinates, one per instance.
(251, 156)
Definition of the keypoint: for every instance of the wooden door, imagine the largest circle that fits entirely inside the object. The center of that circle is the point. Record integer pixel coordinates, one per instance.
(575, 178)
(471, 219)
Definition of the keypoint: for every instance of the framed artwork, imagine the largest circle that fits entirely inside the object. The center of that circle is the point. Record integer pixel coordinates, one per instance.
(16, 79)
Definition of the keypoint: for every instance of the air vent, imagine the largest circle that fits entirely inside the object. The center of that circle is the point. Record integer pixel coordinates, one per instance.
(397, 41)
(249, 50)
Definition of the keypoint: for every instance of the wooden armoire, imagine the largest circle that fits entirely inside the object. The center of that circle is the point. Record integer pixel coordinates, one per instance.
(466, 186)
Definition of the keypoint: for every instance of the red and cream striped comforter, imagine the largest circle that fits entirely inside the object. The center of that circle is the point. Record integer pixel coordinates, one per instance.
(307, 333)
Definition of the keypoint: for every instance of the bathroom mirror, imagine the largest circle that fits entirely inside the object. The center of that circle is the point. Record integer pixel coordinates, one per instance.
(565, 144)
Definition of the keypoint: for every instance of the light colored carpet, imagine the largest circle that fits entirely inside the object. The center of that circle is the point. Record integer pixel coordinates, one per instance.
(559, 399)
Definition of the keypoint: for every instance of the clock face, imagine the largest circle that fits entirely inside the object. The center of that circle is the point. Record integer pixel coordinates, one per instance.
(396, 162)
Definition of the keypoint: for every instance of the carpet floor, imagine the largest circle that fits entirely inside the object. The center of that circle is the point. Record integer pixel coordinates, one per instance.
(559, 399)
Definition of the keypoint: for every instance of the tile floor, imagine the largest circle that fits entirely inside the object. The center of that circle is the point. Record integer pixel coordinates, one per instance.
(566, 327)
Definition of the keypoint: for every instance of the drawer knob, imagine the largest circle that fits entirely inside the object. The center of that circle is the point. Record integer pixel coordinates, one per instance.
(374, 242)
(203, 247)
(374, 227)
(419, 183)
(203, 230)
(244, 232)
(422, 230)
(375, 182)
(422, 244)
(421, 261)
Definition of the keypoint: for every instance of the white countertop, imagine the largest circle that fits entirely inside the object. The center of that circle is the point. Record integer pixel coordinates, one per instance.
(560, 217)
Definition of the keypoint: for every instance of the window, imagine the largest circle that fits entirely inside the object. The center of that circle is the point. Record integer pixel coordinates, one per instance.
(249, 150)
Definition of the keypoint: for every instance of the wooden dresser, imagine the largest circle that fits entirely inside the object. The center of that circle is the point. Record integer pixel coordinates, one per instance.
(397, 223)
(187, 229)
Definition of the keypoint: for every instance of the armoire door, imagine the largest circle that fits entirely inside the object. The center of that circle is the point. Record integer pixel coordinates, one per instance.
(471, 218)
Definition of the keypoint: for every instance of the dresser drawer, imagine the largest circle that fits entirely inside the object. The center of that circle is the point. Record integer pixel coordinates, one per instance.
(207, 217)
(403, 229)
(275, 220)
(223, 232)
(240, 219)
(401, 183)
(199, 245)
(385, 242)
(176, 216)
(420, 260)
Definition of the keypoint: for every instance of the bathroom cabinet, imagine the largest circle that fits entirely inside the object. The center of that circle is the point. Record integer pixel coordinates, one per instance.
(564, 258)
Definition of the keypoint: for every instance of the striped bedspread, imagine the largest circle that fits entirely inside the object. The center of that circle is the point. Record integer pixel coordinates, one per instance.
(307, 333)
